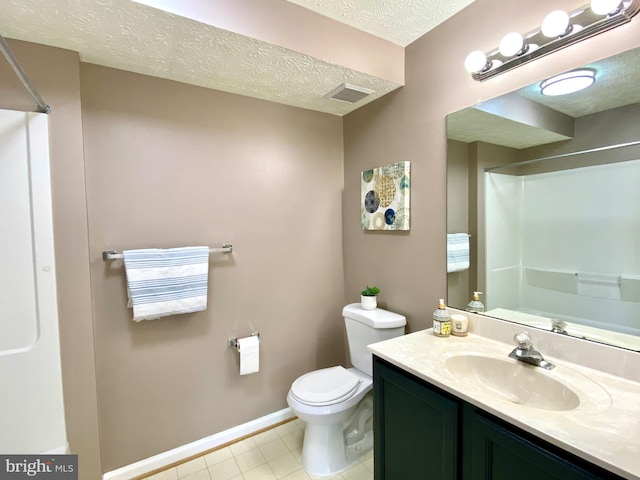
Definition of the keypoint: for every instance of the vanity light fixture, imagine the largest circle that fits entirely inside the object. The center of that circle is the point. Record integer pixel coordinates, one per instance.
(559, 29)
(568, 82)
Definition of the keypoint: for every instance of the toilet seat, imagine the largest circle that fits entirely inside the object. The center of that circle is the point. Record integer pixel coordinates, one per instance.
(327, 386)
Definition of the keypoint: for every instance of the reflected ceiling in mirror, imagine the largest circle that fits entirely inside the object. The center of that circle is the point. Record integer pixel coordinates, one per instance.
(576, 268)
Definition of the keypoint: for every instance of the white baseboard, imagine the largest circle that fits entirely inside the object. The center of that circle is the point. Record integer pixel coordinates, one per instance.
(198, 447)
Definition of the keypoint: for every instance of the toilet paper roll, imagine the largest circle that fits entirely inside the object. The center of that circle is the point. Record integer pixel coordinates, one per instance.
(249, 348)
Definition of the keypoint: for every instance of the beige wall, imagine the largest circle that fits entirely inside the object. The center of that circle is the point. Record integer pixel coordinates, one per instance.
(55, 74)
(169, 165)
(409, 124)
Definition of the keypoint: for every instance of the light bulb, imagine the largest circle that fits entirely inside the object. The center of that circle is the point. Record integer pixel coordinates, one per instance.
(604, 7)
(555, 24)
(511, 44)
(475, 61)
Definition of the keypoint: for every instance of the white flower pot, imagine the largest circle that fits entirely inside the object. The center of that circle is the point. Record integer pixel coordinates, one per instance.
(368, 303)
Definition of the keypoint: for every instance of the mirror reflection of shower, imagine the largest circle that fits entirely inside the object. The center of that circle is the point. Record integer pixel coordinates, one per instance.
(562, 245)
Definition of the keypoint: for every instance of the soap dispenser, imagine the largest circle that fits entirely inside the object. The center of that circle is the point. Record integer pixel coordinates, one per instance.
(475, 305)
(441, 320)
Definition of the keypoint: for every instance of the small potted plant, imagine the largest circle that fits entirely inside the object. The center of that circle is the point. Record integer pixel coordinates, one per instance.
(368, 298)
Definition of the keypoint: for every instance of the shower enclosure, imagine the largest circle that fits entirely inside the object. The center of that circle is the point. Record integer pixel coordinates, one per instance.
(566, 241)
(31, 402)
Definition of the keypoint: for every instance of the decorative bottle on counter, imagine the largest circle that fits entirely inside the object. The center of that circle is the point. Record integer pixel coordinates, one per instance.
(475, 305)
(441, 321)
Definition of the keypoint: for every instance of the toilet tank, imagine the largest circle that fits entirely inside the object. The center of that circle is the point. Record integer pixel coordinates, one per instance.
(365, 327)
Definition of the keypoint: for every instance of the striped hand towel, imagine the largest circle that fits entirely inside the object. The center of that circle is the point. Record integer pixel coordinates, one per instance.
(457, 252)
(166, 282)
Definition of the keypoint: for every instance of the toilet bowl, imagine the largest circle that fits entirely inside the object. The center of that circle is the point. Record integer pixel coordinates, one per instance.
(336, 403)
(323, 451)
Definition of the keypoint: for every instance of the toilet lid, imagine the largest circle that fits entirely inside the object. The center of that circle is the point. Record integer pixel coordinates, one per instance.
(326, 386)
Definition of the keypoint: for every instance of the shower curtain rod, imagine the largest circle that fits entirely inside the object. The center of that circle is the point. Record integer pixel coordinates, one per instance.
(8, 54)
(570, 154)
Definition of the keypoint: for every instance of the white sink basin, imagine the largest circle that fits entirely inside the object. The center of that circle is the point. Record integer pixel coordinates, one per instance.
(512, 381)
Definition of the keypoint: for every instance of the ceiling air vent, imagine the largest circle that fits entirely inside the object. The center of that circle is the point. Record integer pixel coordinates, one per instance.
(349, 93)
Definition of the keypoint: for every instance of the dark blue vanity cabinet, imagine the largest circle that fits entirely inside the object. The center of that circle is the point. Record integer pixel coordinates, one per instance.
(422, 432)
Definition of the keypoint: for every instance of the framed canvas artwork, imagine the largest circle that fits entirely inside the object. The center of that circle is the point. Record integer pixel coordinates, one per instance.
(385, 192)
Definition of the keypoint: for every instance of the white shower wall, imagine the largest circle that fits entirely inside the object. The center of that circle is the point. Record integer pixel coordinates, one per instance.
(572, 236)
(31, 402)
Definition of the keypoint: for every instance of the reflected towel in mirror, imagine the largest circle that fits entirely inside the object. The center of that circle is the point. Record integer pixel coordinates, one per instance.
(457, 252)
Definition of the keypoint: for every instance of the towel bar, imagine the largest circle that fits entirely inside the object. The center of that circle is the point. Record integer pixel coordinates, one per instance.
(113, 255)
(233, 342)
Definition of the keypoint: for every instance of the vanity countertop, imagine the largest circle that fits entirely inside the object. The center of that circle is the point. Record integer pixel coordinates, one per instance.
(604, 429)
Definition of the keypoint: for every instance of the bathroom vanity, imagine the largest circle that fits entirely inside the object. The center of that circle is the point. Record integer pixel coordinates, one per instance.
(459, 408)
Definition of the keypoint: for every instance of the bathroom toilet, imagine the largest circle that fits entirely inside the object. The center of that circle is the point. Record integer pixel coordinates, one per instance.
(336, 403)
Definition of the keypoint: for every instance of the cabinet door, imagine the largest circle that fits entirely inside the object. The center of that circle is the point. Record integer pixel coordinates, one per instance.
(415, 428)
(499, 454)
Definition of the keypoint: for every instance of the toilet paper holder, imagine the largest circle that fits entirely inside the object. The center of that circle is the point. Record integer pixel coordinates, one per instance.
(233, 342)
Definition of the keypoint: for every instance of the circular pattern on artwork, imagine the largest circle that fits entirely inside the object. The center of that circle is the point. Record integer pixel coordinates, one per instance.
(402, 218)
(389, 216)
(395, 171)
(377, 221)
(371, 201)
(385, 190)
(367, 176)
(364, 218)
(404, 185)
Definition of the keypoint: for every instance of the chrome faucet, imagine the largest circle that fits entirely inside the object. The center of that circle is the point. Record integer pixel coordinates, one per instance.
(558, 326)
(526, 353)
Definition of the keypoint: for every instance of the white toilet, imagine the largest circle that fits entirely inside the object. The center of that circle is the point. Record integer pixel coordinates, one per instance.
(336, 403)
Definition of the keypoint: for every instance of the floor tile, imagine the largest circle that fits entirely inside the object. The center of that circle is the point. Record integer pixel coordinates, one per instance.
(298, 475)
(169, 474)
(243, 446)
(357, 472)
(199, 475)
(263, 472)
(284, 465)
(297, 454)
(265, 437)
(367, 460)
(218, 456)
(249, 460)
(190, 467)
(224, 470)
(274, 454)
(287, 428)
(293, 440)
(274, 449)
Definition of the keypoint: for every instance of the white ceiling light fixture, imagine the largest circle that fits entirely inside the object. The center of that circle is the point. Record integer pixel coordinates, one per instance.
(558, 30)
(568, 82)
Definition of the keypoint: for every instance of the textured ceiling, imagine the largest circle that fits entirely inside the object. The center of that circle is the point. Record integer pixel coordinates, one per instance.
(126, 35)
(399, 21)
(617, 85)
(471, 125)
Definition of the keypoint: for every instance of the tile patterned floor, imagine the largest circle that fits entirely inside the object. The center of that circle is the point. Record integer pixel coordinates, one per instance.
(271, 455)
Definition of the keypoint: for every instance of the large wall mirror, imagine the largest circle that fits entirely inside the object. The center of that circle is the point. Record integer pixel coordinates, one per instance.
(547, 191)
